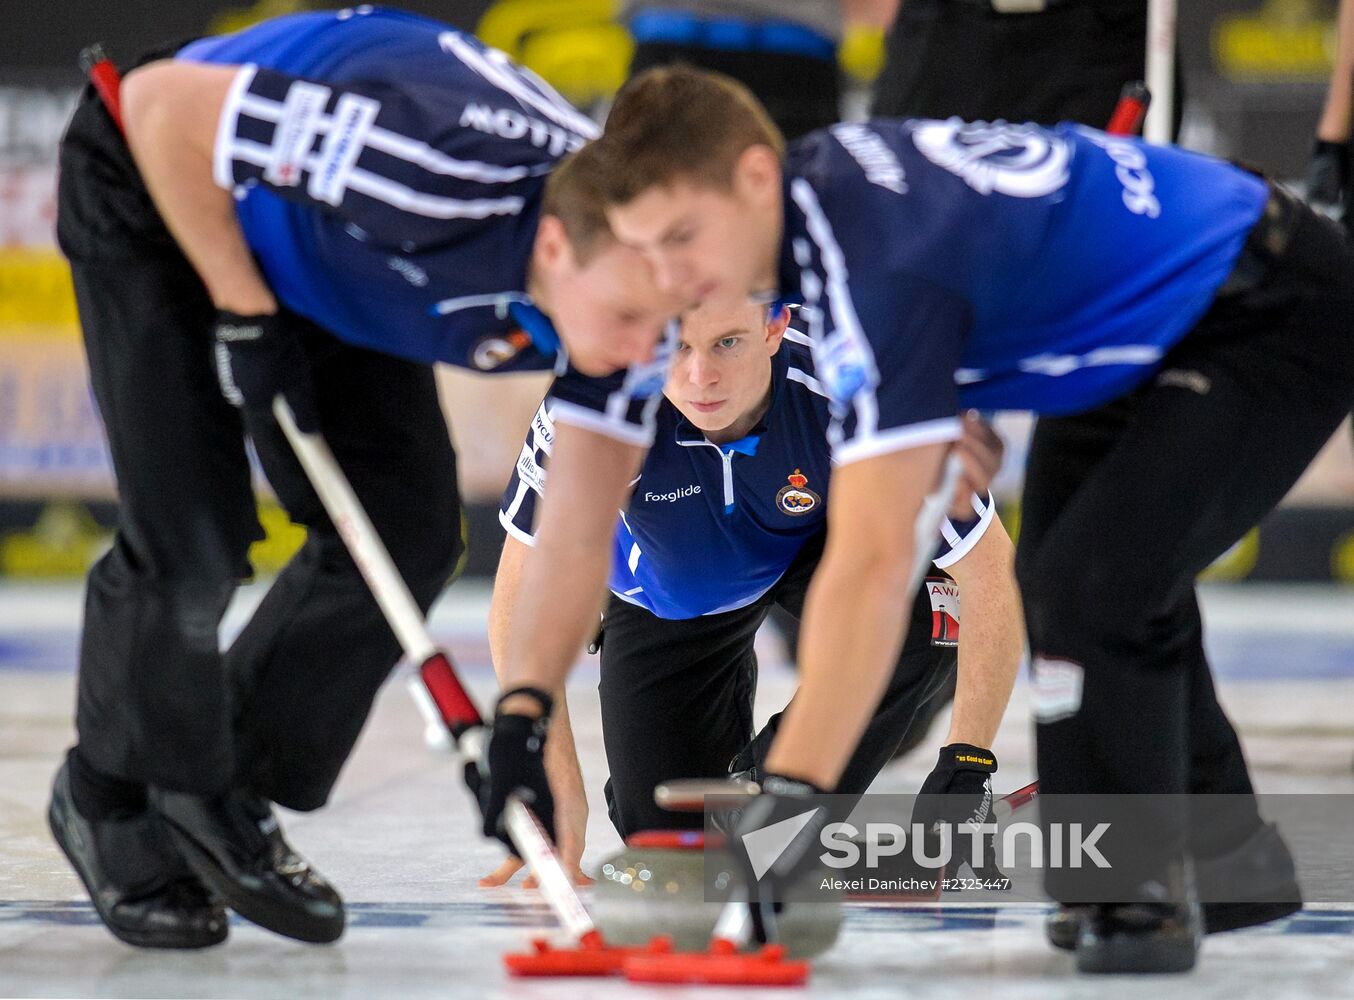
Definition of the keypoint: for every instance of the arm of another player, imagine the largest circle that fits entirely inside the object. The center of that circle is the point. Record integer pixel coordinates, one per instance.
(170, 112)
(991, 637)
(1329, 178)
(1338, 111)
(856, 609)
(563, 582)
(561, 755)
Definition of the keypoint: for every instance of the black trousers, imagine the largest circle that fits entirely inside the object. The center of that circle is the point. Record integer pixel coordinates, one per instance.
(1126, 505)
(677, 696)
(1067, 63)
(158, 703)
(800, 93)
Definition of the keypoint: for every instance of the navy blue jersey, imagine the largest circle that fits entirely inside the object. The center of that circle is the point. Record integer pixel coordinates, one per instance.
(711, 528)
(946, 265)
(388, 172)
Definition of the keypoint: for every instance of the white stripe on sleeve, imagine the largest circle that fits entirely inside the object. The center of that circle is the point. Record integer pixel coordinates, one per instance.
(224, 148)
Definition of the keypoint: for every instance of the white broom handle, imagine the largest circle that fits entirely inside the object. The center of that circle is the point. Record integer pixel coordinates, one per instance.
(1161, 21)
(407, 621)
(355, 527)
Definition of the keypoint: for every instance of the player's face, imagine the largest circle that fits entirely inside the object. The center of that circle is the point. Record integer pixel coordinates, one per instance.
(608, 312)
(706, 245)
(721, 373)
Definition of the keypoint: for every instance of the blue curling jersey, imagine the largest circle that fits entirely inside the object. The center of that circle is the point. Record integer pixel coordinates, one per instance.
(944, 264)
(388, 173)
(711, 528)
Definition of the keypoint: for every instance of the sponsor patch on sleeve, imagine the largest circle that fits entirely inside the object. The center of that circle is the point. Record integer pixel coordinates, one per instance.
(944, 595)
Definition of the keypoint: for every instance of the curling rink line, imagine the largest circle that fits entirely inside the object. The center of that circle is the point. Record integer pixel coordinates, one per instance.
(398, 839)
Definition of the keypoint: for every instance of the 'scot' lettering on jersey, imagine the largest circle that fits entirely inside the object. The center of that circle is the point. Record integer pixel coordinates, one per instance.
(1130, 167)
(507, 124)
(1014, 160)
(875, 158)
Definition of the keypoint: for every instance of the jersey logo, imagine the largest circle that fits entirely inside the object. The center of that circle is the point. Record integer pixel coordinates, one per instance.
(1130, 168)
(672, 496)
(351, 121)
(874, 156)
(495, 352)
(944, 595)
(508, 124)
(797, 498)
(1055, 688)
(1022, 161)
(295, 132)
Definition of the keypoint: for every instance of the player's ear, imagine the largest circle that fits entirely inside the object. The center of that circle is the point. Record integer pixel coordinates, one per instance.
(756, 174)
(553, 249)
(775, 329)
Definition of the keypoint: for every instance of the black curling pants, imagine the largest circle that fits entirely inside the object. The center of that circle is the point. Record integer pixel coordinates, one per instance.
(677, 696)
(1126, 505)
(158, 702)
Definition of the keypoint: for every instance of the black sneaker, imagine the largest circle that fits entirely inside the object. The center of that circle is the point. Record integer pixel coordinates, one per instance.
(141, 888)
(1159, 933)
(234, 844)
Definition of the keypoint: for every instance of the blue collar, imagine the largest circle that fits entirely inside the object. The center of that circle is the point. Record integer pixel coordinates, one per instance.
(536, 325)
(743, 446)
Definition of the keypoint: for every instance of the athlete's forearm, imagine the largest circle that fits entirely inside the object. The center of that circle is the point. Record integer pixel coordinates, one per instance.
(561, 754)
(991, 637)
(1336, 115)
(563, 581)
(170, 111)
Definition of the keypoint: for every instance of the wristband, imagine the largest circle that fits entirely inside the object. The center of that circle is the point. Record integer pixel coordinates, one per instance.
(543, 698)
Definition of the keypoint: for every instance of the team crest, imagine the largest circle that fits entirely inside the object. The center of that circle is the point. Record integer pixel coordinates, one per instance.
(495, 352)
(797, 498)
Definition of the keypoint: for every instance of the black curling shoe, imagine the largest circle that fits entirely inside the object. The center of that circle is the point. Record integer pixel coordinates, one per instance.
(1160, 932)
(234, 844)
(1139, 938)
(1262, 869)
(142, 890)
(1261, 864)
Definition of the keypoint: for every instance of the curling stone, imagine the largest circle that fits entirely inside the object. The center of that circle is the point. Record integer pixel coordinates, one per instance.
(647, 890)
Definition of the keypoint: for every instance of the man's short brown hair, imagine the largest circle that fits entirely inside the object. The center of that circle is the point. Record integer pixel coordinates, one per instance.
(572, 195)
(676, 122)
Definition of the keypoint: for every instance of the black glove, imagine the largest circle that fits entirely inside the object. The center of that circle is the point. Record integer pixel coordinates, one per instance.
(1328, 179)
(767, 877)
(513, 763)
(748, 765)
(259, 357)
(956, 794)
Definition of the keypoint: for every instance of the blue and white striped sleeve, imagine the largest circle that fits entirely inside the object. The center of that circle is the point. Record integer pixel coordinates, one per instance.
(885, 343)
(364, 152)
(517, 509)
(957, 538)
